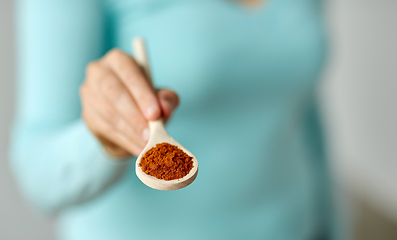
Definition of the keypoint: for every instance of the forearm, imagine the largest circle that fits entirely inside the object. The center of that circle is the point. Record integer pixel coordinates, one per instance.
(55, 159)
(60, 167)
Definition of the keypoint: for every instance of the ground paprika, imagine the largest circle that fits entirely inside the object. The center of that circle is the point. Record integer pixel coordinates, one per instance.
(166, 161)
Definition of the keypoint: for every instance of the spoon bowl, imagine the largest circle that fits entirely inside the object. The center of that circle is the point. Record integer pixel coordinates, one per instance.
(158, 134)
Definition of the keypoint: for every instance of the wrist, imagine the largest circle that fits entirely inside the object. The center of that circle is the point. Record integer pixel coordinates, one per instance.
(116, 152)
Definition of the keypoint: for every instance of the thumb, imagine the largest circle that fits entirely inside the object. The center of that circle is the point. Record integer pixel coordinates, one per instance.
(169, 101)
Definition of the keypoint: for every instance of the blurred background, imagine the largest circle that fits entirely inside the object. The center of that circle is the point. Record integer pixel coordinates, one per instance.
(359, 98)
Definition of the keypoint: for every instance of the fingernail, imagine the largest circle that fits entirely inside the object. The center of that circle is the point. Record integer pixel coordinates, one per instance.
(172, 104)
(145, 134)
(150, 112)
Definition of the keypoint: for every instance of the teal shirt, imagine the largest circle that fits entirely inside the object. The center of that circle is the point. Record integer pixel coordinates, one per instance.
(246, 79)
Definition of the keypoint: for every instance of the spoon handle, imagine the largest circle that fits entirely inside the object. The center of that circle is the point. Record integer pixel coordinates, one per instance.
(157, 128)
(138, 45)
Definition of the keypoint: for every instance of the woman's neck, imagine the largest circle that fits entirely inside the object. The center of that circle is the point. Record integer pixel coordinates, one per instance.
(251, 3)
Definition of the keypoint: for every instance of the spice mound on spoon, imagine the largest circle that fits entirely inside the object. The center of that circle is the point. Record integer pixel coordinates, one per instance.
(164, 164)
(166, 161)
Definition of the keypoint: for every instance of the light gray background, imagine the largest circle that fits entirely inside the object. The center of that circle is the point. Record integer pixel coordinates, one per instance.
(17, 220)
(360, 98)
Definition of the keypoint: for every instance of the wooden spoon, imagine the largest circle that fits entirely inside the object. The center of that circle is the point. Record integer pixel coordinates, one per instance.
(158, 134)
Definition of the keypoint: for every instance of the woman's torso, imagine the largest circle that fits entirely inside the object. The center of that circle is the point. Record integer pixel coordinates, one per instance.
(246, 81)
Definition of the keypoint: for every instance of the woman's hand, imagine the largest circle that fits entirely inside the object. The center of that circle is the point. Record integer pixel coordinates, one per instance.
(118, 101)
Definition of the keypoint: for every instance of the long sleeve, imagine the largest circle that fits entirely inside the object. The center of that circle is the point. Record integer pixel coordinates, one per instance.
(55, 159)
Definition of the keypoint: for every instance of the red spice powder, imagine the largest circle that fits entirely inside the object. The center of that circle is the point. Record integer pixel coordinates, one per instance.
(166, 161)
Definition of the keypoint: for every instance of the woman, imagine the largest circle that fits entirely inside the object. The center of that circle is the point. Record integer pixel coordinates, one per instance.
(245, 73)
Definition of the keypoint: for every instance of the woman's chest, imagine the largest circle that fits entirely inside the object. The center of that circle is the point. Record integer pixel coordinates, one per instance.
(218, 48)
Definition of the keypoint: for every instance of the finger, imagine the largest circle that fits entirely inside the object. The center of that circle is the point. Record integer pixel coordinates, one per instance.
(122, 101)
(106, 111)
(169, 101)
(103, 130)
(125, 67)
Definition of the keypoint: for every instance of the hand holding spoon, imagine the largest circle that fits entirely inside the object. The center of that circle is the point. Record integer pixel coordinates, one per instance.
(158, 134)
